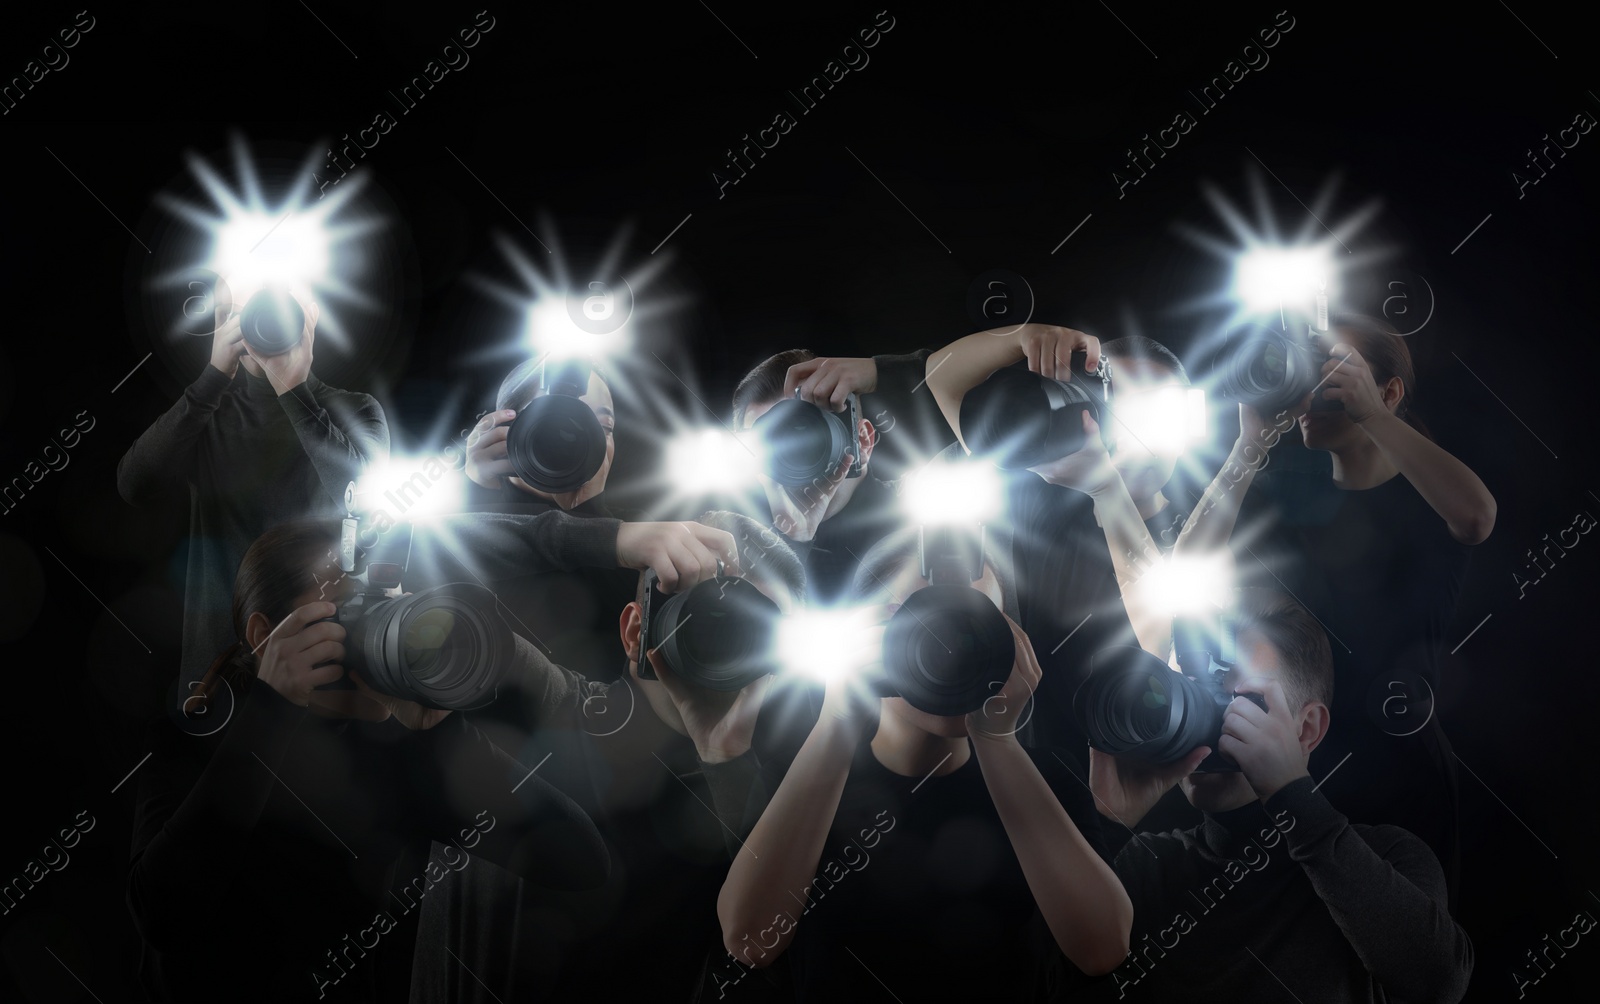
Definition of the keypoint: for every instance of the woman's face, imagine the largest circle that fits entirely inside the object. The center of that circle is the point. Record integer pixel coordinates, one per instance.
(907, 582)
(1145, 464)
(1330, 431)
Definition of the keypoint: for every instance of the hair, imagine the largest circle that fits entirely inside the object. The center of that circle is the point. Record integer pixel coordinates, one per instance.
(761, 552)
(765, 381)
(1387, 355)
(1147, 349)
(276, 569)
(521, 385)
(1298, 636)
(886, 559)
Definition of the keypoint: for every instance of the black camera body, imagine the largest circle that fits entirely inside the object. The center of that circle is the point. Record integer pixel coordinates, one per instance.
(947, 649)
(1133, 705)
(1020, 419)
(445, 648)
(1272, 370)
(720, 634)
(556, 444)
(803, 444)
(272, 322)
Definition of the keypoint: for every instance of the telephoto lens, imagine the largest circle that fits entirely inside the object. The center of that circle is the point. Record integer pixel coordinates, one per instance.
(1134, 705)
(1273, 370)
(556, 444)
(948, 648)
(803, 444)
(446, 648)
(721, 634)
(1019, 419)
(272, 322)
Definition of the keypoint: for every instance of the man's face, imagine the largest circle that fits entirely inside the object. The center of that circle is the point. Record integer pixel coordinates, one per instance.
(598, 398)
(1144, 463)
(907, 582)
(1258, 662)
(866, 437)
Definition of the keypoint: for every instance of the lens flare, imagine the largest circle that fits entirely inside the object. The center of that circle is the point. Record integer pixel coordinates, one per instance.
(1187, 587)
(299, 242)
(708, 461)
(944, 493)
(1266, 278)
(829, 645)
(410, 487)
(1166, 421)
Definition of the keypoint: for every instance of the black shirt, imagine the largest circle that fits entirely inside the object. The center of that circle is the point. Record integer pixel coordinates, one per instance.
(670, 823)
(283, 858)
(1285, 897)
(919, 894)
(1067, 596)
(1379, 569)
(251, 459)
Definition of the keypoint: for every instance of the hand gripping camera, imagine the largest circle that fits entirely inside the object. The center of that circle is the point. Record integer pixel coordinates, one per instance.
(803, 444)
(556, 444)
(721, 634)
(446, 647)
(1020, 419)
(1134, 705)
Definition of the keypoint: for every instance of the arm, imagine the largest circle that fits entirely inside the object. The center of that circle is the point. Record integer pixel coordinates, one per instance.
(167, 450)
(786, 844)
(503, 545)
(967, 362)
(339, 442)
(1389, 901)
(1133, 553)
(1083, 903)
(1459, 497)
(1210, 526)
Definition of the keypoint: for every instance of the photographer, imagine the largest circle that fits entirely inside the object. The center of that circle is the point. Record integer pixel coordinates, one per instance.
(967, 854)
(650, 758)
(1275, 890)
(256, 448)
(1077, 533)
(1376, 548)
(261, 850)
(833, 521)
(566, 612)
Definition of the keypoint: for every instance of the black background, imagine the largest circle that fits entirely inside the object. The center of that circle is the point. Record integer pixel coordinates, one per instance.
(999, 126)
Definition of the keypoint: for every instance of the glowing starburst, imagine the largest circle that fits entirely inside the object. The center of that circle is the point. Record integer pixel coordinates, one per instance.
(297, 242)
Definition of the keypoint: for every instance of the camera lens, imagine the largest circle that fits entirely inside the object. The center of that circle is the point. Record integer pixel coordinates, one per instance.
(1020, 419)
(272, 322)
(947, 650)
(1269, 370)
(802, 443)
(445, 647)
(1134, 705)
(556, 444)
(720, 635)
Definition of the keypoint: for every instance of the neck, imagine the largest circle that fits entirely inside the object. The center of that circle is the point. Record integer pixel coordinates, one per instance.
(1360, 464)
(910, 752)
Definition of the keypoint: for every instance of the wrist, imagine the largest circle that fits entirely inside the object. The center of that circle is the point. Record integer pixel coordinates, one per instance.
(984, 739)
(1272, 787)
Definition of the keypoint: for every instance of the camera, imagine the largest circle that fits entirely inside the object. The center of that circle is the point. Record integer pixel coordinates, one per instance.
(721, 634)
(948, 649)
(445, 648)
(556, 444)
(272, 322)
(1273, 370)
(1132, 704)
(803, 443)
(1020, 419)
